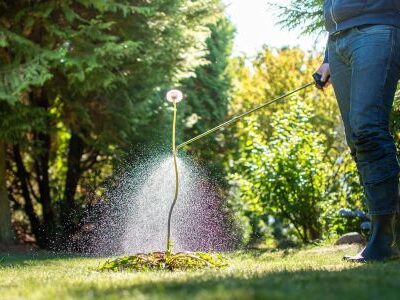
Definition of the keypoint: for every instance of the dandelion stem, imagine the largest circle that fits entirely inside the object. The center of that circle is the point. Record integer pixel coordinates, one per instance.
(174, 153)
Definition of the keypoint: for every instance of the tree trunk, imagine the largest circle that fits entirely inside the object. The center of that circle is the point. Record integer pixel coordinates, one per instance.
(74, 172)
(28, 207)
(42, 171)
(6, 232)
(42, 159)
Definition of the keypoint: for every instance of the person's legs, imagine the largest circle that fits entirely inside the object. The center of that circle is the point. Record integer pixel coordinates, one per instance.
(341, 82)
(374, 55)
(365, 67)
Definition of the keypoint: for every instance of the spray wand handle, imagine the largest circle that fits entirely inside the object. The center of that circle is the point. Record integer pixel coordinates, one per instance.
(318, 82)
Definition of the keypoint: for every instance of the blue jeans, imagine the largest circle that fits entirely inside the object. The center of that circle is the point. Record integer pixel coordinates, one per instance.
(365, 69)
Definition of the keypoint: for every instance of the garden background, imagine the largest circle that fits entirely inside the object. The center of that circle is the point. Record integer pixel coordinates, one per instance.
(82, 88)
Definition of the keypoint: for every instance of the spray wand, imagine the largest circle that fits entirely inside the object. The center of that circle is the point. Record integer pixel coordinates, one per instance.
(175, 96)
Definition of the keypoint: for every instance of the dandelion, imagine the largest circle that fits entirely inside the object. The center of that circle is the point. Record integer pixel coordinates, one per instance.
(174, 96)
(192, 120)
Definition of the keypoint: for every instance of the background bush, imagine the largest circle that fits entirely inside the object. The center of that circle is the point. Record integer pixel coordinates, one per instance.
(290, 169)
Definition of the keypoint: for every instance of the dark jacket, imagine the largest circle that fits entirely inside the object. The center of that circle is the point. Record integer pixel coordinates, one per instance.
(345, 14)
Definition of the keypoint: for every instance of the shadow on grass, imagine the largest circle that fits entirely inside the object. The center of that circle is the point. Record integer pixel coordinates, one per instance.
(372, 281)
(34, 257)
(9, 259)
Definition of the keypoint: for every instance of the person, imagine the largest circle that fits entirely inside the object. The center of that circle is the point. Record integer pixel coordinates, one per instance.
(362, 62)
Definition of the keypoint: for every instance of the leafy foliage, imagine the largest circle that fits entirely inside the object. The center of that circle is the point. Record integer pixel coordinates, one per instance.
(291, 176)
(307, 15)
(208, 92)
(292, 170)
(159, 261)
(78, 81)
(395, 119)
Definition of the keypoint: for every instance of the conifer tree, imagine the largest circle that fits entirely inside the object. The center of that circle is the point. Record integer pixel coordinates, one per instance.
(75, 82)
(208, 94)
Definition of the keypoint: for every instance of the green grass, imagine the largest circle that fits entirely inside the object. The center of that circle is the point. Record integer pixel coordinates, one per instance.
(315, 273)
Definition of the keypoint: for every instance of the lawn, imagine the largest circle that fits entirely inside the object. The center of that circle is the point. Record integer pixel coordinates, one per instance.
(313, 273)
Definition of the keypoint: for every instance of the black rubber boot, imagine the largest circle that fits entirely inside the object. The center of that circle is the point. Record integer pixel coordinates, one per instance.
(381, 245)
